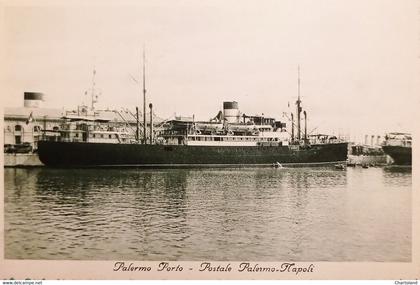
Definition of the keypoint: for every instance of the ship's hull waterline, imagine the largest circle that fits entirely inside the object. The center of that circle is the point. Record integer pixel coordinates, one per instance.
(74, 154)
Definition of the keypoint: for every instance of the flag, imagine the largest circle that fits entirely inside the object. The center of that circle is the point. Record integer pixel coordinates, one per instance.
(30, 118)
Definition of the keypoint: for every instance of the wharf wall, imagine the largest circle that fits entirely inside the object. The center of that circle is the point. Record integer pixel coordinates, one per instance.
(369, 159)
(21, 159)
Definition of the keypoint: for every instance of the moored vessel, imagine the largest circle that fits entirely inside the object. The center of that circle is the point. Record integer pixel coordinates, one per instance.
(230, 138)
(398, 147)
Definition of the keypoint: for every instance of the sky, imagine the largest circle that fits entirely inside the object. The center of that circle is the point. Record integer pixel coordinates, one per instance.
(358, 59)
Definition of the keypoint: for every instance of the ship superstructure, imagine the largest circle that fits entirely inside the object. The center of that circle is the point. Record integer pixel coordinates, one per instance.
(228, 128)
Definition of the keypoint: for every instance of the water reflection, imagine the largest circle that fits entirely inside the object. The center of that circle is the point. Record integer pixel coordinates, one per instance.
(208, 214)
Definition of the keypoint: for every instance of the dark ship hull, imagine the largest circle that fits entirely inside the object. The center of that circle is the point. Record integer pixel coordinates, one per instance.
(400, 154)
(79, 154)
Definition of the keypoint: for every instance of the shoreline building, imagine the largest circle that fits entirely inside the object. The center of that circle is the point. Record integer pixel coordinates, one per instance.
(25, 126)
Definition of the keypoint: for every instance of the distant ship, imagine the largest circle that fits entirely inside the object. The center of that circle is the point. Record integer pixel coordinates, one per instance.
(398, 147)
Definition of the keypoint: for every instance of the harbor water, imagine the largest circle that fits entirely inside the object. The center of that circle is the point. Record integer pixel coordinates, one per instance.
(238, 214)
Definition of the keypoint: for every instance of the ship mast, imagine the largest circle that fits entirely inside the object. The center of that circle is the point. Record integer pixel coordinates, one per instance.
(94, 96)
(298, 107)
(144, 97)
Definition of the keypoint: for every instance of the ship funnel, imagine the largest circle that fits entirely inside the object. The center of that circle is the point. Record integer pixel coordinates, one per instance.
(231, 111)
(33, 99)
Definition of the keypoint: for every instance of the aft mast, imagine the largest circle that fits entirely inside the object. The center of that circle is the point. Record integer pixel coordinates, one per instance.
(144, 98)
(94, 95)
(298, 107)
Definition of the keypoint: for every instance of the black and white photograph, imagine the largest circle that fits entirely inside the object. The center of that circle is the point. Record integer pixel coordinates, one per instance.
(210, 137)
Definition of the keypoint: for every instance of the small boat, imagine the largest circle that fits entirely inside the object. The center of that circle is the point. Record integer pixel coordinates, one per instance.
(351, 164)
(340, 166)
(277, 165)
(365, 165)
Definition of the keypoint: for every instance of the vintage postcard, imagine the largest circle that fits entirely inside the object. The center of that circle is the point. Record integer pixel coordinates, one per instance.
(210, 139)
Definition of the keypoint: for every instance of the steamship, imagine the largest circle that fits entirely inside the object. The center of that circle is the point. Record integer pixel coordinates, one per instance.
(398, 147)
(230, 138)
